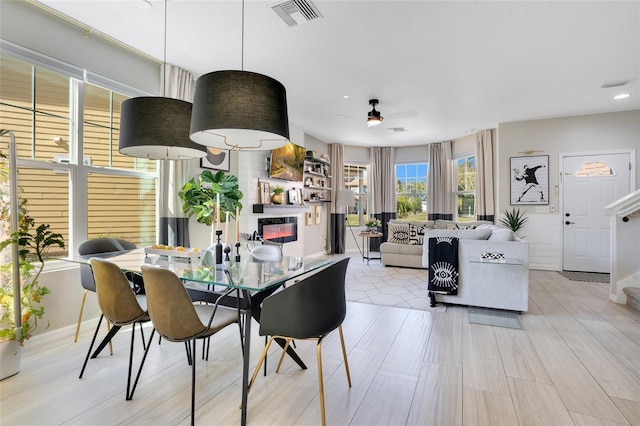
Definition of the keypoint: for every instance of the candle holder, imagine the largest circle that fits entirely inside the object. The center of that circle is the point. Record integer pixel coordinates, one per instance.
(218, 247)
(227, 250)
(237, 251)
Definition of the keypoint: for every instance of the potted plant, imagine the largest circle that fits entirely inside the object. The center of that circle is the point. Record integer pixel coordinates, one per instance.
(277, 198)
(372, 225)
(514, 219)
(200, 197)
(34, 241)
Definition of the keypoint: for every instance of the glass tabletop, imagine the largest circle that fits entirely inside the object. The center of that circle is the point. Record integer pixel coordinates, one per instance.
(248, 274)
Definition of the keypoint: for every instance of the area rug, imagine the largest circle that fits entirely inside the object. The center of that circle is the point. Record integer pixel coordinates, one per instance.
(494, 317)
(590, 277)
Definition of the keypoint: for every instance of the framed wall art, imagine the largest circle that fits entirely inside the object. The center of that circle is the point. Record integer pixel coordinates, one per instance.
(294, 197)
(529, 180)
(216, 159)
(265, 192)
(308, 217)
(317, 211)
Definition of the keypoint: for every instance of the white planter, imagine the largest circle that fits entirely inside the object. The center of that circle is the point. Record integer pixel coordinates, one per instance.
(10, 358)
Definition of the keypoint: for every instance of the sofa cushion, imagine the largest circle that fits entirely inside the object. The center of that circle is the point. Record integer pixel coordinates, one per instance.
(398, 233)
(502, 234)
(452, 224)
(416, 232)
(401, 249)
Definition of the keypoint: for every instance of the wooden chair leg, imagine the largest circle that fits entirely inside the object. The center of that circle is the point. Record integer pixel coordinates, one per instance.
(84, 298)
(260, 361)
(321, 381)
(284, 352)
(344, 354)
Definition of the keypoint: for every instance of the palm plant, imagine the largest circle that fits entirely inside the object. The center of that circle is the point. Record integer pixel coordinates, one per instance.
(514, 219)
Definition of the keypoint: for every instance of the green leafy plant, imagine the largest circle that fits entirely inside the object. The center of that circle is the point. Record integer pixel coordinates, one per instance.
(514, 219)
(34, 241)
(277, 189)
(199, 197)
(372, 223)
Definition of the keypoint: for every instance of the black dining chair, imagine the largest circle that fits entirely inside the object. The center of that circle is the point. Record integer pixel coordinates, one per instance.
(97, 246)
(178, 319)
(309, 309)
(119, 305)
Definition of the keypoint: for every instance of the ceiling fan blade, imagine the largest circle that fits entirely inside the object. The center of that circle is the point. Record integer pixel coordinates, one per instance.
(401, 115)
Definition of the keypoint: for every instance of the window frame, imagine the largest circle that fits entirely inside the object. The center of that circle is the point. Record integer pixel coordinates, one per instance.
(422, 195)
(457, 193)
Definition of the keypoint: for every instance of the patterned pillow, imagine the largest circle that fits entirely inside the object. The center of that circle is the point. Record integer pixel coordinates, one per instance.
(416, 233)
(398, 233)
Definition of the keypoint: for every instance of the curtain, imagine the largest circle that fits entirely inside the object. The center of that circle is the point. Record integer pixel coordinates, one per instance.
(338, 217)
(440, 183)
(382, 190)
(174, 227)
(484, 175)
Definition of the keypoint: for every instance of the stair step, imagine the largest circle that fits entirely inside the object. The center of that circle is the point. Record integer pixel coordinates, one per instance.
(633, 297)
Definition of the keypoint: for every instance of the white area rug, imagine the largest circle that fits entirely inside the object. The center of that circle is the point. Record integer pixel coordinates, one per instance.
(389, 286)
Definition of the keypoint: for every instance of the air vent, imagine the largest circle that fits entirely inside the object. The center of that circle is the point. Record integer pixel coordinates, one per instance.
(397, 129)
(296, 12)
(613, 84)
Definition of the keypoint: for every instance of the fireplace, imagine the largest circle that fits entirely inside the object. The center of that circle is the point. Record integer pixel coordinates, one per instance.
(279, 229)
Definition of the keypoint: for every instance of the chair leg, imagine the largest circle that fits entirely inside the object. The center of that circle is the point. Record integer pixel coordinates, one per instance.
(144, 357)
(93, 341)
(84, 298)
(260, 361)
(193, 386)
(344, 354)
(133, 332)
(188, 349)
(321, 381)
(110, 344)
(284, 352)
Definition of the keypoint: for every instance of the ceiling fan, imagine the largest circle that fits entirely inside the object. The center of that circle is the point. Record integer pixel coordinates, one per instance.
(373, 117)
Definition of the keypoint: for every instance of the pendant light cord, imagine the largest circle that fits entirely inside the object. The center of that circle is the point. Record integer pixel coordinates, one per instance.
(242, 41)
(164, 58)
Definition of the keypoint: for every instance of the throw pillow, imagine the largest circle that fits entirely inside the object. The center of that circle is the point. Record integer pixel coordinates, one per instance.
(398, 233)
(416, 233)
(502, 235)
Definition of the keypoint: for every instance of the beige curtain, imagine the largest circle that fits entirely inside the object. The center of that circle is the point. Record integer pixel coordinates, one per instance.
(337, 221)
(484, 175)
(382, 189)
(440, 200)
(174, 230)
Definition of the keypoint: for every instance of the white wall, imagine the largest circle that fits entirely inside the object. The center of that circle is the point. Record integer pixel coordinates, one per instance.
(597, 132)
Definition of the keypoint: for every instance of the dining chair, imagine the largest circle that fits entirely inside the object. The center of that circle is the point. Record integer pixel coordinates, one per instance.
(177, 319)
(307, 310)
(119, 305)
(96, 246)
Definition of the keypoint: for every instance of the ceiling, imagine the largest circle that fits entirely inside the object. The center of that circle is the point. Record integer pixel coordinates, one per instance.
(441, 69)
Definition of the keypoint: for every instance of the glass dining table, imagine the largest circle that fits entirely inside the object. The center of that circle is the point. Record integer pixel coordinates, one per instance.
(251, 279)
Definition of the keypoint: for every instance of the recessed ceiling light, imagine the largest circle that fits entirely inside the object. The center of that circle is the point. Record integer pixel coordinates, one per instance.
(346, 96)
(621, 96)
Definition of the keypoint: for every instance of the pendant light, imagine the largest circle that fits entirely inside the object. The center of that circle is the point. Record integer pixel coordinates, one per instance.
(157, 128)
(239, 110)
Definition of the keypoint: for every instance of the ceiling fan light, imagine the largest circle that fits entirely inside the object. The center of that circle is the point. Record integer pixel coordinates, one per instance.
(239, 110)
(373, 121)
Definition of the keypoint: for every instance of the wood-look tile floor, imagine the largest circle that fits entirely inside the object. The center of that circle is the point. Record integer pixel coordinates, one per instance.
(576, 361)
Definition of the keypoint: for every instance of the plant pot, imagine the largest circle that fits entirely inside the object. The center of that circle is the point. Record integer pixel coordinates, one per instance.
(276, 199)
(10, 358)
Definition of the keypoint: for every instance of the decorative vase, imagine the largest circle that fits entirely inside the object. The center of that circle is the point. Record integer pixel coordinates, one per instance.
(276, 199)
(10, 358)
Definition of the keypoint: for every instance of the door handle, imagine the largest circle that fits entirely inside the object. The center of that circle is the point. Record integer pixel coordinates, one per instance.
(568, 223)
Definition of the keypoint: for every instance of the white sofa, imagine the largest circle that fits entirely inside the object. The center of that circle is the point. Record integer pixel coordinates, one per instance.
(485, 284)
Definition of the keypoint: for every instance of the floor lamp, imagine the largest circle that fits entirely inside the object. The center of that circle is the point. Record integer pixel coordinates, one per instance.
(347, 198)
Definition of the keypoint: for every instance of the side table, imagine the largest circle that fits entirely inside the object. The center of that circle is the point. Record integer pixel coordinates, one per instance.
(365, 243)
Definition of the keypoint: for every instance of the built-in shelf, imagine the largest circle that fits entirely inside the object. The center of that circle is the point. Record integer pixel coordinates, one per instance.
(323, 188)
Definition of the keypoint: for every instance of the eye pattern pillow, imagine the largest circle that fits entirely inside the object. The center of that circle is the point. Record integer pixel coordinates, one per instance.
(398, 234)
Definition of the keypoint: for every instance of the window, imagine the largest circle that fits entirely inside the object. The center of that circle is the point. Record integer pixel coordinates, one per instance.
(466, 191)
(411, 191)
(595, 168)
(117, 193)
(355, 179)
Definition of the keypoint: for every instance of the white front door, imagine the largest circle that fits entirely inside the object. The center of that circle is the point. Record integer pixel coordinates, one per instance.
(590, 183)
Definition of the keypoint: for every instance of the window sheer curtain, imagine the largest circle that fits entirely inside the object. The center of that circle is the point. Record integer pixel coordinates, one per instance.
(484, 175)
(440, 182)
(337, 226)
(382, 190)
(174, 226)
